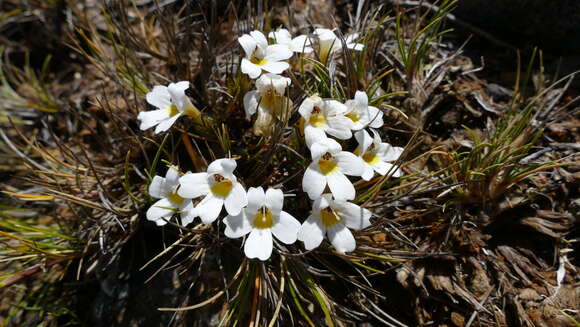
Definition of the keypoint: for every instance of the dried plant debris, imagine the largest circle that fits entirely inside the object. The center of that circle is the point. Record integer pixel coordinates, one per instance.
(310, 163)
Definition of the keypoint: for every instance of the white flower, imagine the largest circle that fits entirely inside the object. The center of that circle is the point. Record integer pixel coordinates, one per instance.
(329, 42)
(376, 155)
(361, 114)
(261, 218)
(171, 102)
(334, 218)
(300, 44)
(170, 203)
(270, 102)
(260, 55)
(269, 88)
(220, 187)
(324, 116)
(329, 166)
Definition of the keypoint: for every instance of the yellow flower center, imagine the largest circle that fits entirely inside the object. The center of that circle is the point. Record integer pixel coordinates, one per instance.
(175, 198)
(222, 187)
(172, 110)
(353, 116)
(317, 119)
(263, 218)
(326, 164)
(257, 61)
(371, 158)
(328, 217)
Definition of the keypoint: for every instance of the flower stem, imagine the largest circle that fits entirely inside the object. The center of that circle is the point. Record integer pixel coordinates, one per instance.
(195, 159)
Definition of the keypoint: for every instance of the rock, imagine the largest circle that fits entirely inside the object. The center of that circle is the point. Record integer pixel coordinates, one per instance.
(554, 26)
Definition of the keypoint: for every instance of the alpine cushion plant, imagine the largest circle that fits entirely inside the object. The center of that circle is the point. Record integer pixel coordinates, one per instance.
(333, 218)
(261, 56)
(323, 117)
(329, 166)
(220, 187)
(361, 114)
(170, 202)
(258, 213)
(262, 218)
(299, 44)
(171, 103)
(376, 155)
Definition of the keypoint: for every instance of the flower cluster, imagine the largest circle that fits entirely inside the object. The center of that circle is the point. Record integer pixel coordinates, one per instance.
(332, 213)
(258, 213)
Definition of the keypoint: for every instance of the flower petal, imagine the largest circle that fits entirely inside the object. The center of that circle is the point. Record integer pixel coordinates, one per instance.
(250, 68)
(325, 34)
(188, 213)
(159, 97)
(277, 52)
(368, 173)
(313, 135)
(274, 200)
(193, 185)
(237, 226)
(286, 229)
(354, 216)
(151, 118)
(360, 97)
(256, 199)
(306, 107)
(301, 44)
(355, 46)
(177, 92)
(275, 67)
(325, 145)
(334, 108)
(364, 140)
(382, 168)
(261, 40)
(341, 238)
(376, 117)
(388, 152)
(251, 100)
(313, 182)
(398, 173)
(340, 186)
(349, 163)
(281, 36)
(248, 44)
(259, 244)
(209, 208)
(157, 187)
(222, 166)
(322, 202)
(311, 232)
(339, 127)
(160, 211)
(164, 125)
(172, 177)
(236, 199)
(268, 81)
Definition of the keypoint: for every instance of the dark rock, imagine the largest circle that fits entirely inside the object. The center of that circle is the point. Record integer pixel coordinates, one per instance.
(552, 25)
